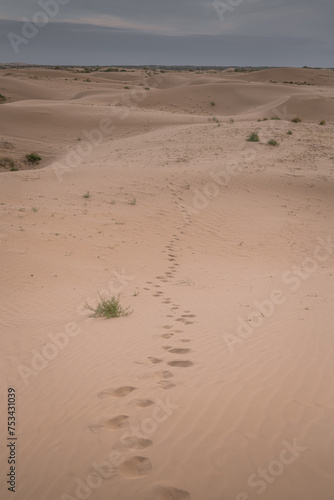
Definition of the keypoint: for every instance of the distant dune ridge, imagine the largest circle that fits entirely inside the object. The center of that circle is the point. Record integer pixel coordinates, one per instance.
(153, 187)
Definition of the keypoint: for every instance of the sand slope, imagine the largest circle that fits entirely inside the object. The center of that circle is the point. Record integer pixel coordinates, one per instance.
(224, 251)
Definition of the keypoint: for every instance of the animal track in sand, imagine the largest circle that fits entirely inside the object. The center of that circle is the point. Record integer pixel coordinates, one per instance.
(179, 351)
(116, 423)
(170, 493)
(135, 467)
(136, 443)
(184, 340)
(188, 316)
(167, 335)
(143, 403)
(164, 374)
(181, 364)
(121, 392)
(165, 384)
(168, 327)
(155, 360)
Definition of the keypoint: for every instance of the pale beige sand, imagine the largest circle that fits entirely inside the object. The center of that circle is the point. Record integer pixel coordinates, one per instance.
(173, 402)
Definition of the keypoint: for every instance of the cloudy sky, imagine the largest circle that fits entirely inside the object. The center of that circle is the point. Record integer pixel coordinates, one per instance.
(168, 32)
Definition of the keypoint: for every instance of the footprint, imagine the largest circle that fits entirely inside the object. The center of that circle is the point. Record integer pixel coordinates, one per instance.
(188, 315)
(166, 347)
(155, 360)
(167, 327)
(116, 423)
(165, 384)
(135, 467)
(136, 443)
(170, 493)
(184, 340)
(179, 351)
(121, 392)
(181, 364)
(143, 403)
(167, 335)
(163, 374)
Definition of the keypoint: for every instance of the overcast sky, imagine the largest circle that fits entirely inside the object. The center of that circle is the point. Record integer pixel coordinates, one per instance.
(168, 32)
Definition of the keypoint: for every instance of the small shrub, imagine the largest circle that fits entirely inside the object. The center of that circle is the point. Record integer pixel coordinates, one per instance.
(127, 88)
(212, 103)
(275, 117)
(322, 122)
(231, 120)
(133, 201)
(33, 158)
(86, 195)
(296, 119)
(87, 80)
(289, 132)
(109, 308)
(147, 88)
(7, 162)
(272, 142)
(253, 137)
(34, 209)
(3, 98)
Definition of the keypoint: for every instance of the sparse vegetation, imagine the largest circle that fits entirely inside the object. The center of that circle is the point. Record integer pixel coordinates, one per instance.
(33, 158)
(7, 163)
(296, 119)
(275, 117)
(3, 98)
(322, 122)
(109, 308)
(272, 142)
(253, 137)
(212, 103)
(34, 209)
(231, 120)
(133, 201)
(289, 132)
(86, 195)
(126, 87)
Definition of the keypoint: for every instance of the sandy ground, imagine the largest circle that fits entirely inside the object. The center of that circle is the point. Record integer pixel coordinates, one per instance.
(219, 385)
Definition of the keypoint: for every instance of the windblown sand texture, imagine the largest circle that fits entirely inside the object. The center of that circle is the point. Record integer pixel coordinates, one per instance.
(223, 248)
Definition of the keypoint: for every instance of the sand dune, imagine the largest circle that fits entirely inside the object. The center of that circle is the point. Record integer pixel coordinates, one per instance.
(218, 385)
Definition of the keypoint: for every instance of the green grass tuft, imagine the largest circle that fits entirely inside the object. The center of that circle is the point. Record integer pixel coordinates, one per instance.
(272, 142)
(109, 308)
(296, 119)
(33, 158)
(253, 137)
(322, 122)
(86, 195)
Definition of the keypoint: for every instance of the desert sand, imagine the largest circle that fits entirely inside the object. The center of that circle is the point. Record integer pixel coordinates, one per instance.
(219, 385)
